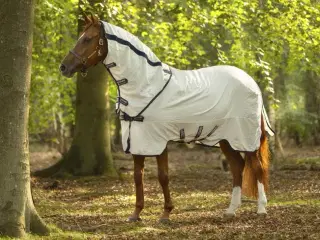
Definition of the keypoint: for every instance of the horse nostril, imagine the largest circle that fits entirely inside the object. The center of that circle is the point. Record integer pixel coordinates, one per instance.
(62, 68)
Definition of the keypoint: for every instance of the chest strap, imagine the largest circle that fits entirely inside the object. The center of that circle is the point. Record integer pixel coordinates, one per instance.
(126, 117)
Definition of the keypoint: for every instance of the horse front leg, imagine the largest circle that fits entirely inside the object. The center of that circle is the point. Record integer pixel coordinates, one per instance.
(163, 176)
(138, 180)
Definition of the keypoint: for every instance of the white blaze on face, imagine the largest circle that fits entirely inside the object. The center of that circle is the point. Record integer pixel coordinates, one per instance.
(235, 201)
(81, 36)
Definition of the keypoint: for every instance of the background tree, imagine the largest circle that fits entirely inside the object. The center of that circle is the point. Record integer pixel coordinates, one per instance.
(52, 96)
(17, 212)
(90, 151)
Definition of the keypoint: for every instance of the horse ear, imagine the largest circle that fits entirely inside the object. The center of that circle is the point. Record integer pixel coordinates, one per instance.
(94, 19)
(87, 19)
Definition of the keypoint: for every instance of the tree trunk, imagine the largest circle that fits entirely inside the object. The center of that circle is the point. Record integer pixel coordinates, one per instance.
(90, 152)
(17, 212)
(280, 94)
(312, 104)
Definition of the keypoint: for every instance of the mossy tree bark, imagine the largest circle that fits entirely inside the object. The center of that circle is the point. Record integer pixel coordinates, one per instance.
(90, 152)
(17, 212)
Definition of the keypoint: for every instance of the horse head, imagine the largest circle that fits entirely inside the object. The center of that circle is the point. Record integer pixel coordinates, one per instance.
(90, 49)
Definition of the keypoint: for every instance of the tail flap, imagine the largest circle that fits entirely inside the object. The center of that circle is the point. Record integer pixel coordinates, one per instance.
(266, 122)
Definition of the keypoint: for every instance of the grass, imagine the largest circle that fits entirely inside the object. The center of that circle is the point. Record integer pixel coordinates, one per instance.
(309, 160)
(96, 207)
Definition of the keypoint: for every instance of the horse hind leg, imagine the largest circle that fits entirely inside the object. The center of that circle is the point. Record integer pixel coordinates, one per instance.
(262, 199)
(236, 163)
(138, 180)
(256, 172)
(163, 176)
(263, 179)
(255, 178)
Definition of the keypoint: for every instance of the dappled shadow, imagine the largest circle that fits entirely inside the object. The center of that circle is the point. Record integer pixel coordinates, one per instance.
(200, 193)
(281, 221)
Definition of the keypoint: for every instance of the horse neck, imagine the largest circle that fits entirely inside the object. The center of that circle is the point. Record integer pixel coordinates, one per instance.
(141, 77)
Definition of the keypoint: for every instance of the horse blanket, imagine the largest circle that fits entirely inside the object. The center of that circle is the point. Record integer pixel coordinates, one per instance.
(158, 103)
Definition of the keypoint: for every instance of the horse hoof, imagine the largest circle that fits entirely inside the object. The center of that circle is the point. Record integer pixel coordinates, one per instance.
(134, 219)
(164, 220)
(229, 215)
(262, 214)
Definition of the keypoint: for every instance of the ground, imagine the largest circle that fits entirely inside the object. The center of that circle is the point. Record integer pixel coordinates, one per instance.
(97, 207)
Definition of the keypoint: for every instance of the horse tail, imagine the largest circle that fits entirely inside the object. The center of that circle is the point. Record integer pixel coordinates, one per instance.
(257, 166)
(264, 157)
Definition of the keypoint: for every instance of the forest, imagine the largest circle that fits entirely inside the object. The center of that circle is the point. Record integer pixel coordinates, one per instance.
(66, 132)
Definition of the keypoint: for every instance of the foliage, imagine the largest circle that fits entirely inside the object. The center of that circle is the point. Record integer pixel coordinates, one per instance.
(249, 34)
(276, 42)
(51, 94)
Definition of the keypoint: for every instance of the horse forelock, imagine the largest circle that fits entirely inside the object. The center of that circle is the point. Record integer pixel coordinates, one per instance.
(92, 21)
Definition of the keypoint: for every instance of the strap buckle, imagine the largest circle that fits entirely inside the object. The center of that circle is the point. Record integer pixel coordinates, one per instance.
(111, 65)
(122, 81)
(123, 101)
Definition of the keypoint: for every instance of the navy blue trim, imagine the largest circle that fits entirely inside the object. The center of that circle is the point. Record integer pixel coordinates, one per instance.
(138, 117)
(156, 96)
(182, 134)
(208, 135)
(212, 131)
(265, 116)
(133, 48)
(129, 139)
(199, 132)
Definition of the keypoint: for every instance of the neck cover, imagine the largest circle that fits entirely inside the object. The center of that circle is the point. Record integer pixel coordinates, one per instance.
(158, 103)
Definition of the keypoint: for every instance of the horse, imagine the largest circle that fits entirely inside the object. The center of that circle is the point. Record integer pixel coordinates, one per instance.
(158, 103)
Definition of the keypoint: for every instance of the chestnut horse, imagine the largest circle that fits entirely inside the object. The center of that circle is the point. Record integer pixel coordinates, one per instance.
(250, 171)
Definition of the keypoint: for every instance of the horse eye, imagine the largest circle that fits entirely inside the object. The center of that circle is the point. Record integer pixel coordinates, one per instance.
(87, 40)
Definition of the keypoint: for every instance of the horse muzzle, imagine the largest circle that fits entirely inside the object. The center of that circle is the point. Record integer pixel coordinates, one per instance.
(65, 71)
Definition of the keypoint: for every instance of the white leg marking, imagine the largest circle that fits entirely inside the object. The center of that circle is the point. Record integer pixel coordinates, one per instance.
(235, 202)
(262, 199)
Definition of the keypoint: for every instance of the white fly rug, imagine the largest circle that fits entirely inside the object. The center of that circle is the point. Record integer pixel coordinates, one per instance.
(205, 105)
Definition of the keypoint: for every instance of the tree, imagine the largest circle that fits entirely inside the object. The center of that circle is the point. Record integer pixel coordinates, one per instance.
(90, 151)
(52, 96)
(17, 212)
